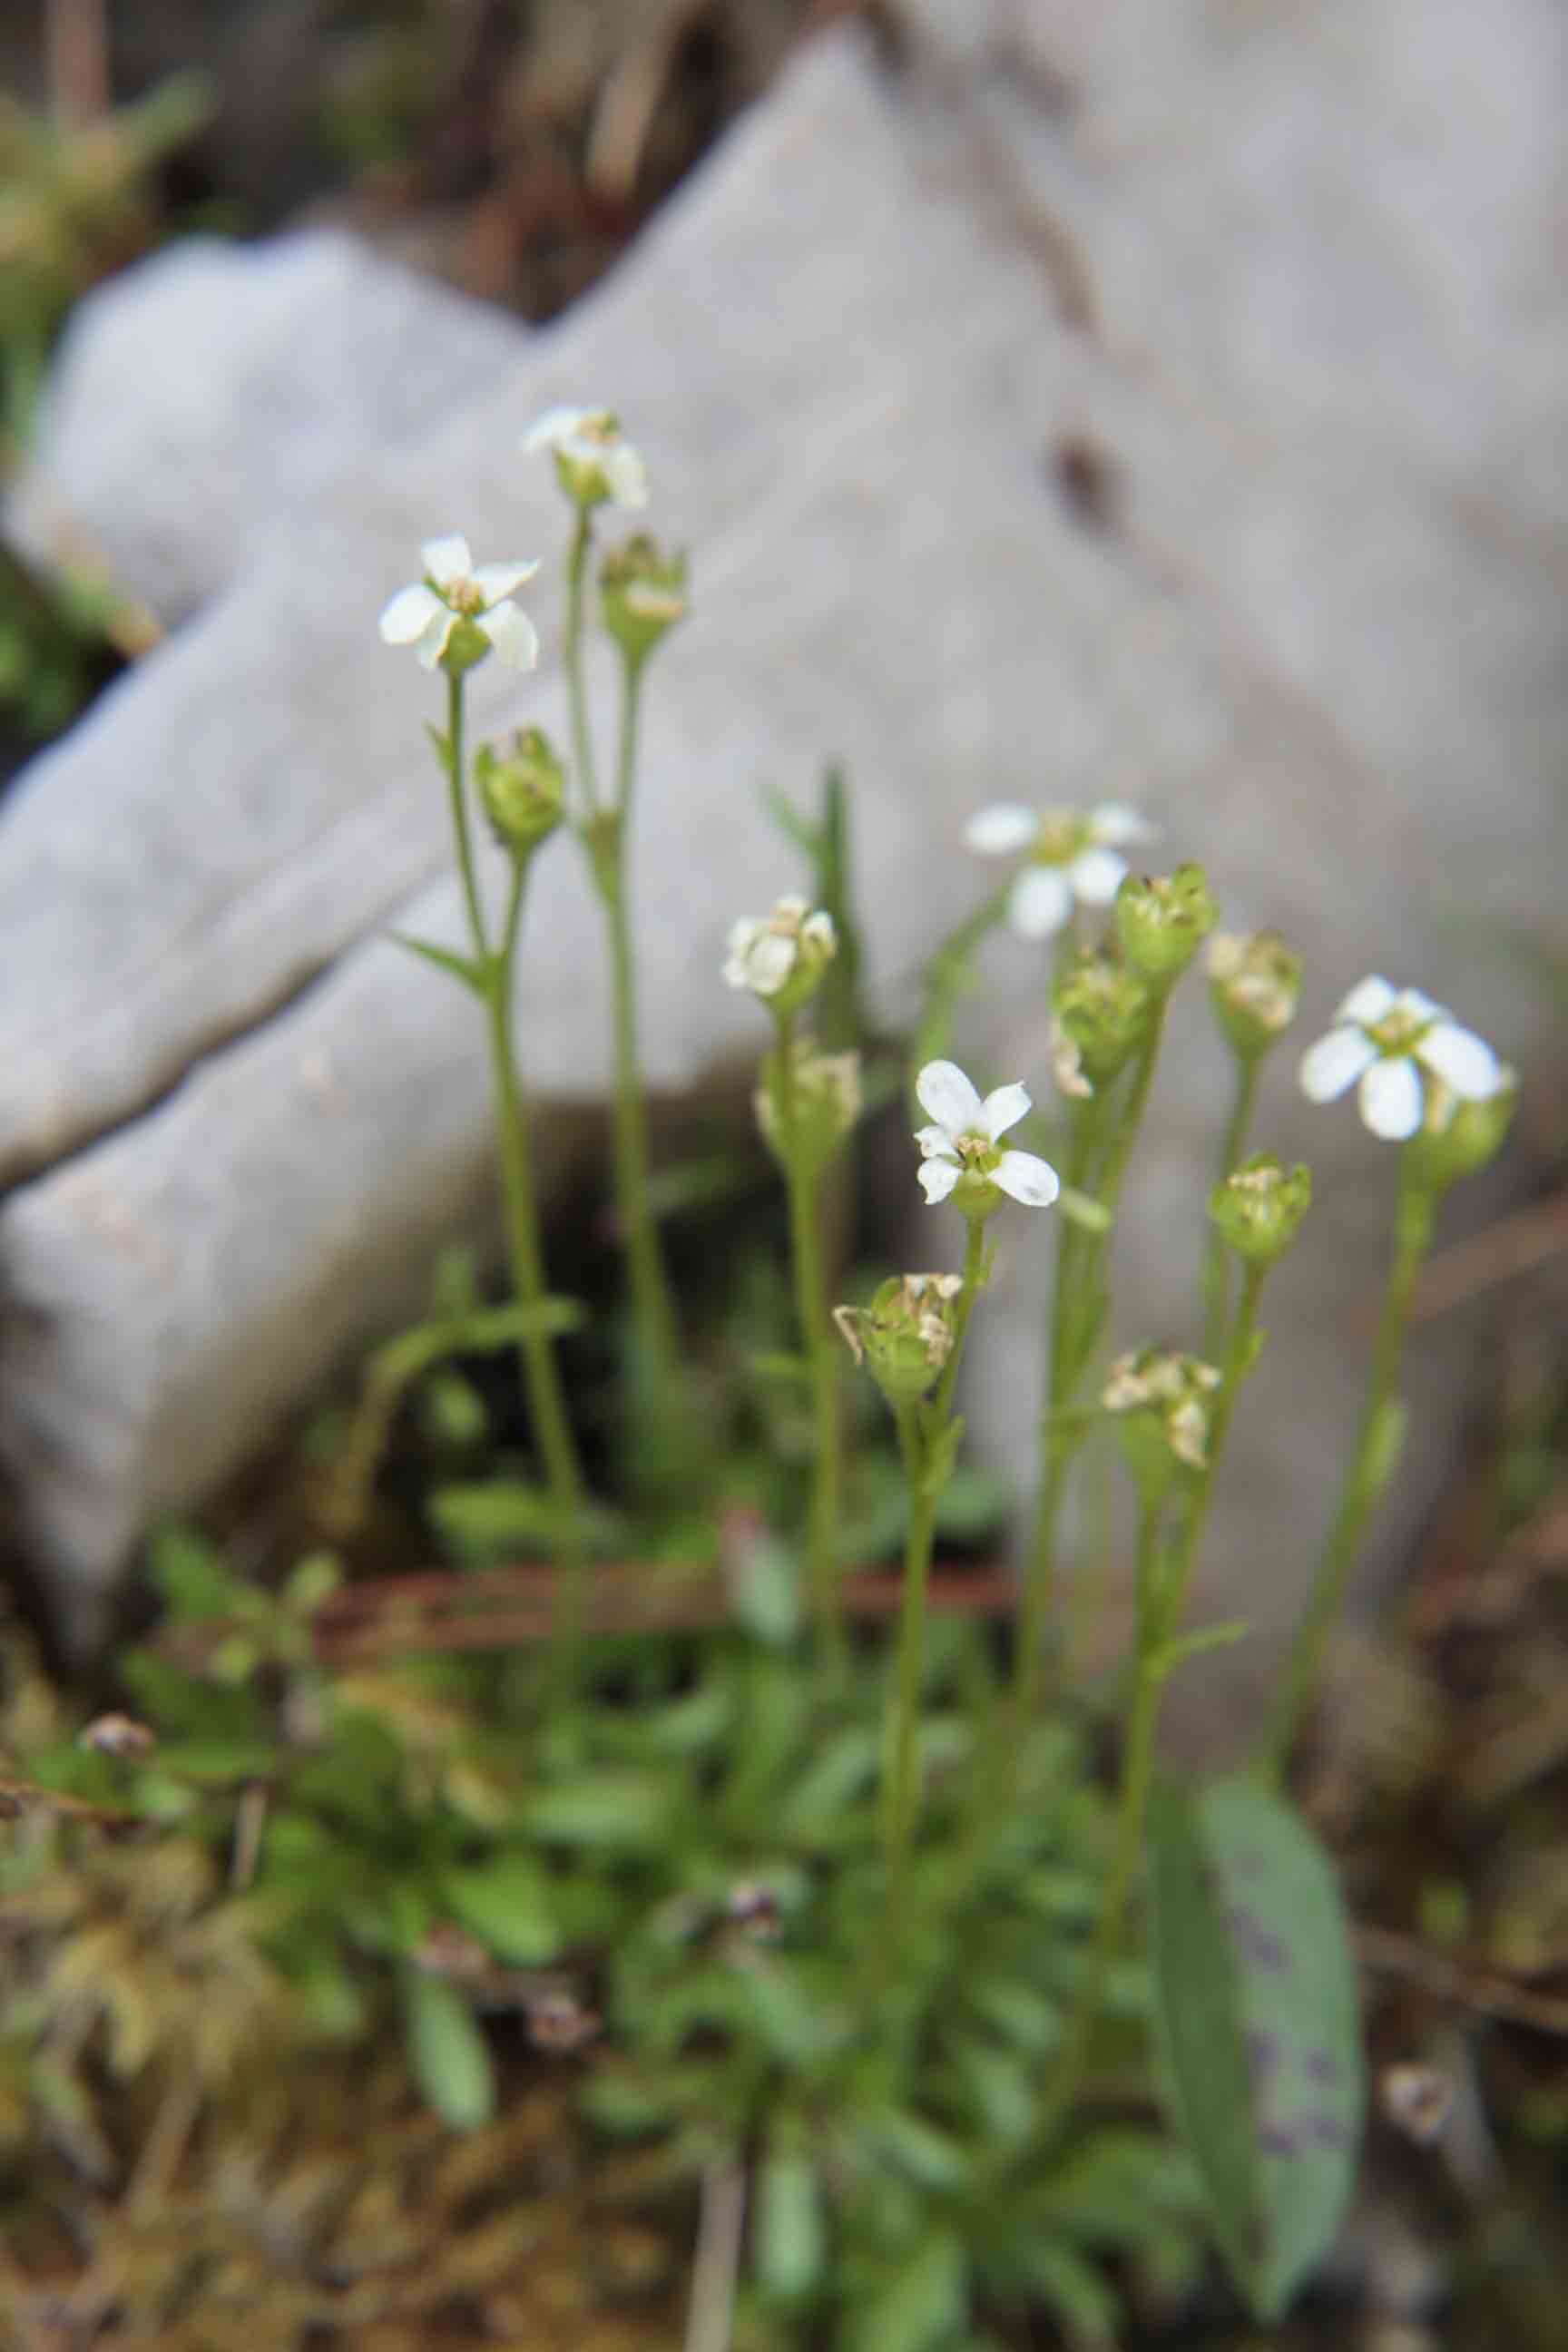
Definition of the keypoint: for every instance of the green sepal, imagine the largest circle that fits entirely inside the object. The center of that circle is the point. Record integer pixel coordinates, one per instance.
(473, 973)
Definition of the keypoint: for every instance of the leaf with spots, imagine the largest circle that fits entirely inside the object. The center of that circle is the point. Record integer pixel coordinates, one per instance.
(1259, 2025)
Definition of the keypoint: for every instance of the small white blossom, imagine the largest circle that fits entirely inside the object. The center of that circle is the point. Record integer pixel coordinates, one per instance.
(764, 953)
(455, 589)
(1072, 857)
(1391, 1042)
(963, 1137)
(596, 464)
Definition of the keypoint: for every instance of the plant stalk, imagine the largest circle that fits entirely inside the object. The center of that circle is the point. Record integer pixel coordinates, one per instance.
(821, 1353)
(1217, 1258)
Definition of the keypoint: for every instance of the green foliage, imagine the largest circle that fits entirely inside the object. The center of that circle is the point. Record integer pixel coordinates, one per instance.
(1261, 2027)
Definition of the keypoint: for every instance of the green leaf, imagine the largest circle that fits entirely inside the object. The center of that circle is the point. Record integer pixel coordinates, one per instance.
(441, 744)
(466, 969)
(451, 2061)
(766, 1594)
(1261, 2027)
(922, 2303)
(789, 2226)
(1198, 2014)
(495, 1516)
(506, 1903)
(192, 1577)
(1301, 2017)
(602, 1810)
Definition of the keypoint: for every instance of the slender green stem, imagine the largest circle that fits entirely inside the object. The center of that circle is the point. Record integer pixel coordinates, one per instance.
(821, 1353)
(536, 1353)
(1162, 1586)
(1217, 1258)
(456, 781)
(902, 1745)
(1076, 1318)
(653, 1308)
(1370, 1465)
(577, 686)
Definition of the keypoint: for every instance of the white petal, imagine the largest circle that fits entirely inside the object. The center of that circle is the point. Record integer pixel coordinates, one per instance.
(1039, 901)
(768, 962)
(1097, 877)
(932, 1140)
(1391, 1099)
(447, 560)
(1462, 1060)
(1369, 999)
(1335, 1062)
(742, 932)
(1115, 824)
(938, 1177)
(513, 634)
(495, 580)
(555, 424)
(999, 830)
(433, 643)
(1024, 1178)
(1420, 1007)
(1004, 1108)
(943, 1090)
(409, 613)
(626, 476)
(818, 930)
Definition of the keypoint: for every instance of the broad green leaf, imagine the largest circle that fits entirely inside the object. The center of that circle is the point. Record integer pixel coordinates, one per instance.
(603, 1809)
(450, 2059)
(462, 967)
(1301, 2018)
(923, 2303)
(191, 1576)
(1260, 2025)
(1199, 2014)
(506, 1903)
(495, 1516)
(789, 2225)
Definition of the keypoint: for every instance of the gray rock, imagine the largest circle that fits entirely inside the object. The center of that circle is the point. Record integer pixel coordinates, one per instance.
(202, 398)
(1135, 402)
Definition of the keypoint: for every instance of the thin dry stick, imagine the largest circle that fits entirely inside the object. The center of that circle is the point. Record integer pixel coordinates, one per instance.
(78, 70)
(629, 98)
(1395, 1955)
(717, 2264)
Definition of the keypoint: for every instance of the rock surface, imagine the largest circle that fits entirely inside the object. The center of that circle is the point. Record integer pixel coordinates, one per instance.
(1144, 400)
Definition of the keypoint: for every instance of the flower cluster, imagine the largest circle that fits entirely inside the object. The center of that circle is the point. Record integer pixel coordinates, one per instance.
(959, 1150)
(1165, 1397)
(1073, 859)
(1255, 982)
(906, 1335)
(1391, 1043)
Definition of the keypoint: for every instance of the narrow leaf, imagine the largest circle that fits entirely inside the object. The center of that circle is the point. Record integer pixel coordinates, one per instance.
(462, 967)
(449, 2055)
(789, 2226)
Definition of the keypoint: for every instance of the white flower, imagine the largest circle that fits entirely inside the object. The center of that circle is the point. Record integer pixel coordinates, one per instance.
(454, 589)
(1392, 1041)
(765, 954)
(963, 1140)
(1071, 856)
(595, 463)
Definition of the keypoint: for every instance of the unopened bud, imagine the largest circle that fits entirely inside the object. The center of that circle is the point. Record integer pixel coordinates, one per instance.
(1257, 1211)
(1255, 985)
(825, 1102)
(522, 791)
(1103, 1011)
(643, 593)
(905, 1337)
(1162, 1401)
(1163, 923)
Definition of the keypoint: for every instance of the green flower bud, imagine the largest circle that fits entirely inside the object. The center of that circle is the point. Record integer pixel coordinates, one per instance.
(1255, 985)
(1161, 923)
(1458, 1138)
(1161, 1401)
(1103, 1011)
(1260, 1207)
(826, 1090)
(522, 791)
(644, 594)
(905, 1336)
